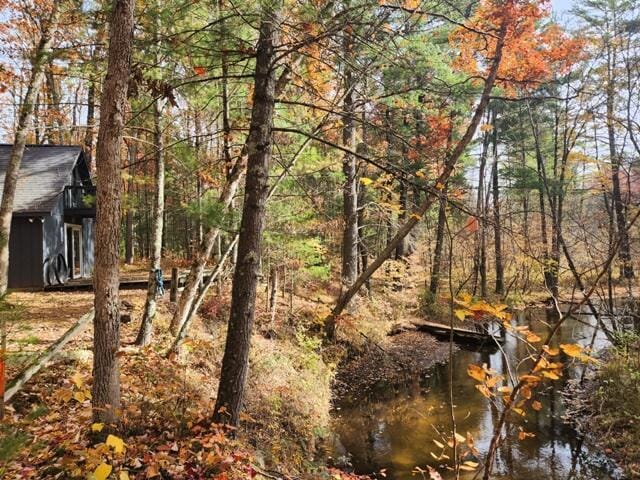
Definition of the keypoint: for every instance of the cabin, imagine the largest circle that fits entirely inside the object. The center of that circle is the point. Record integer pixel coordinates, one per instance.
(52, 229)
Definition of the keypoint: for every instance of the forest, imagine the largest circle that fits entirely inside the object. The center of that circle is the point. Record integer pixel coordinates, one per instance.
(320, 239)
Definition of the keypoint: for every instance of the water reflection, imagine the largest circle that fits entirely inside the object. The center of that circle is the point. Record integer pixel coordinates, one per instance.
(397, 433)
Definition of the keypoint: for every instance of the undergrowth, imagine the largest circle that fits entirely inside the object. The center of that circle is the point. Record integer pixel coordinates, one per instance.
(617, 416)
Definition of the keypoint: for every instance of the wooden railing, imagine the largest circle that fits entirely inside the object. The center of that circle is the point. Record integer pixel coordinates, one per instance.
(80, 198)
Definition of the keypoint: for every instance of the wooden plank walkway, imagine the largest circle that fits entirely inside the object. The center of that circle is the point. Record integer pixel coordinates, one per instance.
(461, 335)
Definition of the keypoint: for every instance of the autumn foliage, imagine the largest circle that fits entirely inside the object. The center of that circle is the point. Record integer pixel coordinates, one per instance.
(535, 49)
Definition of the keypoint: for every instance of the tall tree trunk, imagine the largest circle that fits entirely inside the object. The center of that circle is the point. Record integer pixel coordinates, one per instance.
(437, 252)
(401, 249)
(547, 268)
(235, 361)
(106, 325)
(129, 249)
(88, 136)
(349, 190)
(55, 133)
(25, 117)
(480, 254)
(497, 226)
(624, 254)
(146, 327)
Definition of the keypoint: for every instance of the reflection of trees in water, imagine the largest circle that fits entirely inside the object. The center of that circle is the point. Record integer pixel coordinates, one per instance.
(398, 433)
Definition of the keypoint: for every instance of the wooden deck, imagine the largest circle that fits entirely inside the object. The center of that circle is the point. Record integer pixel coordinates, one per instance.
(127, 282)
(460, 335)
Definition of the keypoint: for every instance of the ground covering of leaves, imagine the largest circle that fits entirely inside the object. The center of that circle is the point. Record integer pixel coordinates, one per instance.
(165, 431)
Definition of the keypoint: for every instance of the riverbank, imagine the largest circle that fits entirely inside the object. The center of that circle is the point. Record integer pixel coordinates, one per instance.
(605, 407)
(293, 382)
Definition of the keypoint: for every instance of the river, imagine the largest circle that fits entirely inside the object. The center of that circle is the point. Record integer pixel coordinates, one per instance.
(395, 432)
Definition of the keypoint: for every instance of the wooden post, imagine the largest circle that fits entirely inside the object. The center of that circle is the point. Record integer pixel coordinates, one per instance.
(173, 295)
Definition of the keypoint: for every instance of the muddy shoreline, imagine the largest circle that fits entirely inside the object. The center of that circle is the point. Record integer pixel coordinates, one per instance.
(379, 367)
(582, 415)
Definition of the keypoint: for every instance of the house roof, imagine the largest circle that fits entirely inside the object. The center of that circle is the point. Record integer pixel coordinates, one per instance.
(44, 172)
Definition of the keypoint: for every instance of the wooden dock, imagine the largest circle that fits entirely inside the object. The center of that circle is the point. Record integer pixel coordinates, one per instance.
(460, 335)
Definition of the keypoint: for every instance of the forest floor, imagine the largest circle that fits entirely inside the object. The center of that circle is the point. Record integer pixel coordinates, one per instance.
(166, 403)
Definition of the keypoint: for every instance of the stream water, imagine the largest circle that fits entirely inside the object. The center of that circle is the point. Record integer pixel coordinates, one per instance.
(394, 433)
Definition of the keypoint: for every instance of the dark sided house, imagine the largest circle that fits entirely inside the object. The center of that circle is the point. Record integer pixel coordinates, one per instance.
(53, 217)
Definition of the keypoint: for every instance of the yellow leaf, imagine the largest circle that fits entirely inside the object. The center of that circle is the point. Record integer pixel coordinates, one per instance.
(102, 471)
(116, 443)
(66, 395)
(438, 444)
(440, 186)
(493, 381)
(552, 352)
(460, 438)
(467, 468)
(532, 337)
(464, 298)
(571, 349)
(79, 396)
(550, 374)
(366, 181)
(471, 464)
(530, 378)
(124, 475)
(484, 390)
(77, 380)
(97, 427)
(476, 372)
(460, 314)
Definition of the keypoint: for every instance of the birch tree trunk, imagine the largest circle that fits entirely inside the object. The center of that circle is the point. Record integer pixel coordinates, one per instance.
(349, 189)
(106, 337)
(146, 326)
(235, 361)
(25, 117)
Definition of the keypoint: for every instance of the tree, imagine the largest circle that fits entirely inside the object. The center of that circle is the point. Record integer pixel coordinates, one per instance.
(155, 260)
(40, 58)
(235, 361)
(106, 325)
(504, 20)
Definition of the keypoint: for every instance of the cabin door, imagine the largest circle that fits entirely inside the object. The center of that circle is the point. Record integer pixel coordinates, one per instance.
(74, 250)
